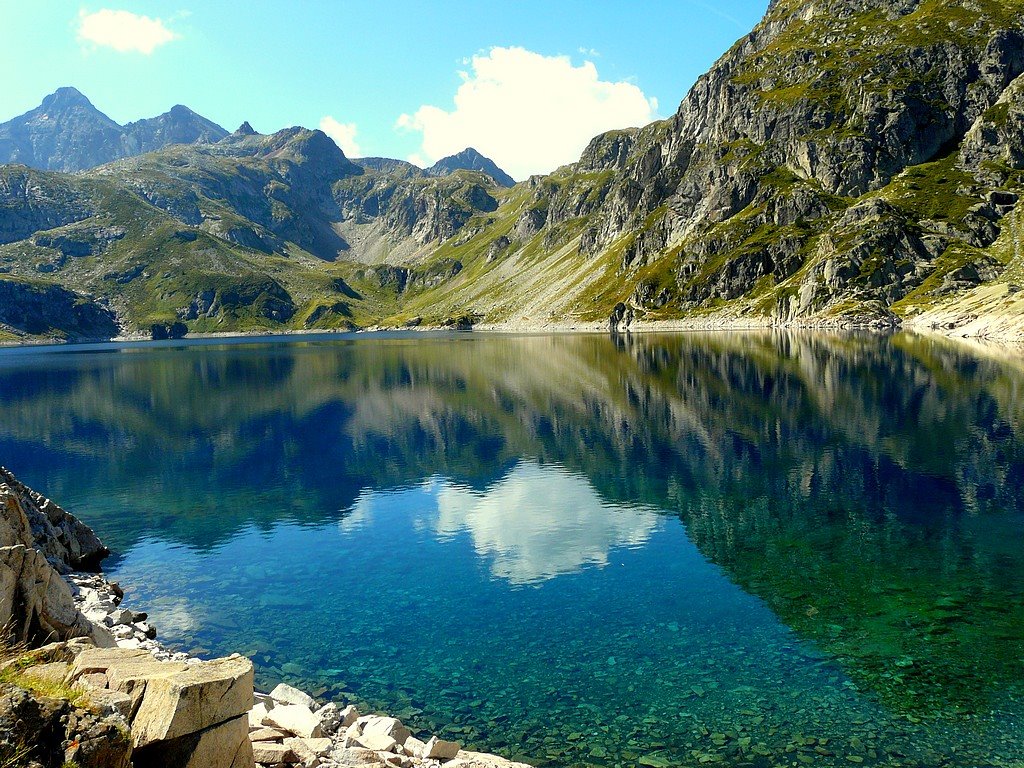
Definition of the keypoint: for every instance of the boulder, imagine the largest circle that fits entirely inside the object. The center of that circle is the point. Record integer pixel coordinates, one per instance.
(438, 749)
(296, 719)
(308, 751)
(223, 746)
(348, 716)
(285, 694)
(330, 718)
(414, 747)
(194, 699)
(268, 753)
(256, 715)
(384, 726)
(110, 702)
(378, 742)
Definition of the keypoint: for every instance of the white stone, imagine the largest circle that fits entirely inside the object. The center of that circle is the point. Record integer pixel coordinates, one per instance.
(285, 694)
(309, 750)
(378, 742)
(438, 749)
(256, 715)
(413, 746)
(294, 718)
(348, 716)
(386, 726)
(268, 753)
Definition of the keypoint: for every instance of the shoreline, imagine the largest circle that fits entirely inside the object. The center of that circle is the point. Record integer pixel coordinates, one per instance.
(977, 332)
(286, 726)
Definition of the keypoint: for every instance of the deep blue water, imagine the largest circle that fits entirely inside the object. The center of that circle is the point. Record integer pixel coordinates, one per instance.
(742, 549)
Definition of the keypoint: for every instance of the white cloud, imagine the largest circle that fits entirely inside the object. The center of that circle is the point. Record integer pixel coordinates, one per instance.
(528, 112)
(344, 135)
(124, 31)
(539, 522)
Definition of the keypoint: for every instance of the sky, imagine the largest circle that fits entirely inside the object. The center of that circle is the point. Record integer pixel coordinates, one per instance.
(526, 82)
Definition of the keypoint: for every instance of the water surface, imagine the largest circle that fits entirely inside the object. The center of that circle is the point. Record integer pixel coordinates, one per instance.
(744, 549)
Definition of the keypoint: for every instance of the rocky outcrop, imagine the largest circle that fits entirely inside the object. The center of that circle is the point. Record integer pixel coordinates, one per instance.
(181, 715)
(36, 605)
(47, 732)
(31, 519)
(41, 309)
(471, 160)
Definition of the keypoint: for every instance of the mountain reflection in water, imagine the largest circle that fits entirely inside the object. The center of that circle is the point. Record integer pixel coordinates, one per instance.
(638, 503)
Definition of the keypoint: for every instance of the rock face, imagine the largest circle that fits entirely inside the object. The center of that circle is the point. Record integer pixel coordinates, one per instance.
(471, 160)
(53, 733)
(192, 715)
(50, 310)
(31, 519)
(67, 133)
(36, 605)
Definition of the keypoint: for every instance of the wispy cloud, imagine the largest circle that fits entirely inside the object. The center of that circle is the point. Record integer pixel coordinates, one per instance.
(124, 31)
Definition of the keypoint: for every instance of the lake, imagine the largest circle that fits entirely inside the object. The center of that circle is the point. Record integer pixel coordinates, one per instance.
(762, 549)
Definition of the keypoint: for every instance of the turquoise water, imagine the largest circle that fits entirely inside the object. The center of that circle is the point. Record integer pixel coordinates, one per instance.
(738, 549)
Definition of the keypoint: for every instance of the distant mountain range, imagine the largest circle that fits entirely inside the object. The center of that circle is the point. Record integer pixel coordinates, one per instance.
(67, 133)
(847, 162)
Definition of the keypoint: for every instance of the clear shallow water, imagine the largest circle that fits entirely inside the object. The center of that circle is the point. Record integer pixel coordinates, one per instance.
(740, 549)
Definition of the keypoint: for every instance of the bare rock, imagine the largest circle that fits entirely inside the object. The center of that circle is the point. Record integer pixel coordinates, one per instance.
(286, 694)
(192, 700)
(36, 603)
(438, 749)
(296, 719)
(223, 746)
(267, 753)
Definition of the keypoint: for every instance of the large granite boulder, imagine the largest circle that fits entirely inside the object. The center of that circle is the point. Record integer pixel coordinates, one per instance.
(185, 715)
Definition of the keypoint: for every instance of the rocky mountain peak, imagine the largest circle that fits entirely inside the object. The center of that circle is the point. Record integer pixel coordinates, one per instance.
(470, 159)
(245, 130)
(64, 98)
(66, 132)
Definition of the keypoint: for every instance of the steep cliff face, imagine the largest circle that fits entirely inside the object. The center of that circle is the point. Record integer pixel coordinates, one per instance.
(816, 168)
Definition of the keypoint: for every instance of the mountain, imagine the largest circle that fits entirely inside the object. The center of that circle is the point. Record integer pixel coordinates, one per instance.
(849, 162)
(67, 133)
(471, 160)
(180, 125)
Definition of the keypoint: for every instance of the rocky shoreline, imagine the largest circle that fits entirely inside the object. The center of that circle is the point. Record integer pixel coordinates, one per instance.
(93, 675)
(955, 322)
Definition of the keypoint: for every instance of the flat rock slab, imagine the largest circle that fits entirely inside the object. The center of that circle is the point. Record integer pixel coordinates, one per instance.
(267, 734)
(188, 701)
(378, 742)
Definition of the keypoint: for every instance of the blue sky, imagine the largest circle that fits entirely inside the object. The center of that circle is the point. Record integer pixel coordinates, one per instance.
(526, 92)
